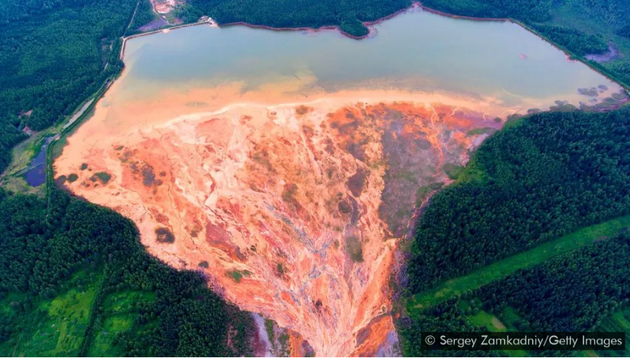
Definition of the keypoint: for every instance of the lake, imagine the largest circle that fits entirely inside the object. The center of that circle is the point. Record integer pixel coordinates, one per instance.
(416, 50)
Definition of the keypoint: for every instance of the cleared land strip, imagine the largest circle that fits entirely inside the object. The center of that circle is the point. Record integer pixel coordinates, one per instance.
(505, 267)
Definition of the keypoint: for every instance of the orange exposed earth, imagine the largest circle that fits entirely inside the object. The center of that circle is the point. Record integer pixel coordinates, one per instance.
(291, 208)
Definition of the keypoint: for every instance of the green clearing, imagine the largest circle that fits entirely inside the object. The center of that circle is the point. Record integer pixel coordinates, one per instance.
(481, 318)
(490, 321)
(619, 321)
(56, 327)
(120, 309)
(479, 131)
(486, 321)
(493, 324)
(423, 191)
(505, 267)
(453, 170)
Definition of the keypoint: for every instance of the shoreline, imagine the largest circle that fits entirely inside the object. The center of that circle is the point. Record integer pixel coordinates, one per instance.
(414, 5)
(154, 32)
(462, 17)
(325, 27)
(570, 55)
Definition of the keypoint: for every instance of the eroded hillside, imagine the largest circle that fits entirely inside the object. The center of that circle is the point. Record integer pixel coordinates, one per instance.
(290, 210)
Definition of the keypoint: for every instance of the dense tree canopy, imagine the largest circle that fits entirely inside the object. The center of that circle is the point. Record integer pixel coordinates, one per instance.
(53, 55)
(570, 293)
(624, 31)
(530, 10)
(540, 179)
(42, 246)
(580, 43)
(348, 14)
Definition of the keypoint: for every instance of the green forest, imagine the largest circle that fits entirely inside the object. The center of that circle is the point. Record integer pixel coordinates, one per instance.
(574, 292)
(349, 15)
(542, 177)
(53, 55)
(77, 281)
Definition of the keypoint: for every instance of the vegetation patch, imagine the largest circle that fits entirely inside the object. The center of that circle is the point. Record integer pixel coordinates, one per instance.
(148, 176)
(280, 269)
(57, 325)
(104, 177)
(237, 275)
(357, 181)
(354, 248)
(423, 191)
(72, 178)
(480, 131)
(452, 170)
(120, 312)
(505, 267)
(164, 235)
(84, 166)
(270, 332)
(203, 264)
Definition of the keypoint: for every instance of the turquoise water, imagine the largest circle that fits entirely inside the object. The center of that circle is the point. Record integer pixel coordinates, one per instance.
(416, 50)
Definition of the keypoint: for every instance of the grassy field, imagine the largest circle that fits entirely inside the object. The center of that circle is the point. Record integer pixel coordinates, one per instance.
(503, 268)
(120, 309)
(59, 326)
(616, 322)
(488, 322)
(55, 327)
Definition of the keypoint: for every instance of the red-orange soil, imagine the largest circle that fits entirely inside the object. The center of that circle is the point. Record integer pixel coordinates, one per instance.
(290, 210)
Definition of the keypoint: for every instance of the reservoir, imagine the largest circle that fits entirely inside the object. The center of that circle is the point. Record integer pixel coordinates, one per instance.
(288, 166)
(416, 50)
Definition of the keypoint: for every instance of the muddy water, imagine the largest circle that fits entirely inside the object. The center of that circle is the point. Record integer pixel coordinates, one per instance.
(286, 166)
(416, 50)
